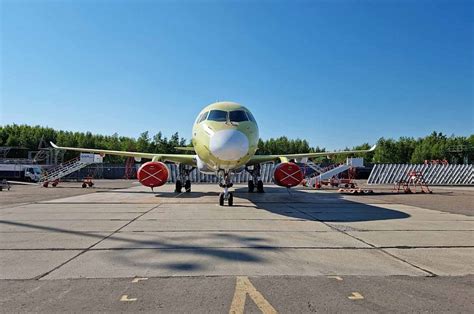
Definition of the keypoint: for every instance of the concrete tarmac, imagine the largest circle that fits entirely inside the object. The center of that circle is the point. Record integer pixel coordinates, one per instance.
(299, 251)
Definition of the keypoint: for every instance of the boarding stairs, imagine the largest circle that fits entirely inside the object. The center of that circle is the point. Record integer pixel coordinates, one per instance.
(311, 169)
(63, 170)
(326, 173)
(333, 172)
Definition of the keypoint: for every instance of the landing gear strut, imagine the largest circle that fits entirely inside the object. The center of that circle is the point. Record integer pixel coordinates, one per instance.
(255, 181)
(184, 172)
(226, 183)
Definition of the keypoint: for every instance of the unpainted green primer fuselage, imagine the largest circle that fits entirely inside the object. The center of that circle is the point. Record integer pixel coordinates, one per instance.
(224, 145)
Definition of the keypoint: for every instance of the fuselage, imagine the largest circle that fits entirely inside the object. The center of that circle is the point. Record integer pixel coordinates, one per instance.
(225, 137)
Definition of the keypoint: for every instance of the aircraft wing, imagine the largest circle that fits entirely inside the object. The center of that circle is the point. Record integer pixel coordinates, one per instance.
(186, 148)
(256, 159)
(176, 158)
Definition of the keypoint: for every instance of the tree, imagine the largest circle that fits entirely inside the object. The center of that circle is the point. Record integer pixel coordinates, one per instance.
(404, 150)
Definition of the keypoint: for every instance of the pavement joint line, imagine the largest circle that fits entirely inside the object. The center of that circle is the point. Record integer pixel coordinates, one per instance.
(176, 231)
(8, 206)
(402, 247)
(425, 208)
(244, 230)
(253, 204)
(240, 219)
(99, 203)
(430, 273)
(200, 276)
(153, 219)
(90, 247)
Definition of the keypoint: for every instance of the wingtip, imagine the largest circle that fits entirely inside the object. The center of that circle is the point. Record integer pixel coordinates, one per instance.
(373, 148)
(54, 145)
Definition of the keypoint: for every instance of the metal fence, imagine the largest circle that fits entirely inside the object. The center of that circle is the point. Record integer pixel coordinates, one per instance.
(242, 177)
(109, 171)
(435, 174)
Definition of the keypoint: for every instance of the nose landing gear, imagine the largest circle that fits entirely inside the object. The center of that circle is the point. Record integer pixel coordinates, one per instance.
(223, 198)
(226, 183)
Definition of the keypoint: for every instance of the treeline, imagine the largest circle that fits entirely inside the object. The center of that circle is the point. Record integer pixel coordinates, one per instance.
(435, 146)
(30, 137)
(404, 150)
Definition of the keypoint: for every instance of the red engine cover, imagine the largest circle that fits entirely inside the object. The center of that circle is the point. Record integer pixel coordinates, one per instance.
(288, 174)
(153, 174)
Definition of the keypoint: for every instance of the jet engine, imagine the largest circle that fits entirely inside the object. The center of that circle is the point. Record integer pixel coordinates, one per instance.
(153, 174)
(288, 174)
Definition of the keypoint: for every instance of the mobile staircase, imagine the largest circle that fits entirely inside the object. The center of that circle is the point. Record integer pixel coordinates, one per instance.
(52, 176)
(311, 169)
(326, 173)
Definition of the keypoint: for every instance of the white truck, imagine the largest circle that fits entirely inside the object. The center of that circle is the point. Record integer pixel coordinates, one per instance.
(20, 172)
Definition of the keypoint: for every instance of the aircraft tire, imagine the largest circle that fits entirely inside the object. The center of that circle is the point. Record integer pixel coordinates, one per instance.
(230, 200)
(179, 186)
(187, 186)
(251, 186)
(221, 199)
(260, 186)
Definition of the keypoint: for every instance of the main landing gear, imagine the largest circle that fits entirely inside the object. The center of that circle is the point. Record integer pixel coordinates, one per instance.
(255, 182)
(184, 172)
(226, 183)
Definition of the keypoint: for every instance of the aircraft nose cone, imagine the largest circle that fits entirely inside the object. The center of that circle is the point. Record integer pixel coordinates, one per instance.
(229, 145)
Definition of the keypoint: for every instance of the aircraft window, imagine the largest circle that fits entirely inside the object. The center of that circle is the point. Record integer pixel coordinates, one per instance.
(238, 116)
(202, 117)
(251, 116)
(217, 115)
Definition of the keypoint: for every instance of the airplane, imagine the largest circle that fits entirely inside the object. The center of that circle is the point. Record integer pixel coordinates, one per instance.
(224, 141)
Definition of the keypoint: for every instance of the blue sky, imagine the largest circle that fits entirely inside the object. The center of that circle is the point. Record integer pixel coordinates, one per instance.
(337, 73)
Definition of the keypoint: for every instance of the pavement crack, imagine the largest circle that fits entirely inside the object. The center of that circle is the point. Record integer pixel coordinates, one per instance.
(96, 243)
(430, 273)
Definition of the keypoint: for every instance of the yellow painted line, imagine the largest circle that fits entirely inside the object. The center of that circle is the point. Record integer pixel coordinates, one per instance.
(135, 280)
(243, 286)
(356, 296)
(125, 298)
(335, 277)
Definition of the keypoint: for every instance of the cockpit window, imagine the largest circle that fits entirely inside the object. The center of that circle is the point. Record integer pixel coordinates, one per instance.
(217, 115)
(249, 114)
(202, 117)
(238, 116)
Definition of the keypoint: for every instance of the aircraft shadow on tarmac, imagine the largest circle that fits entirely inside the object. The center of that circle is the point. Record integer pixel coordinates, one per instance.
(324, 207)
(155, 249)
(181, 254)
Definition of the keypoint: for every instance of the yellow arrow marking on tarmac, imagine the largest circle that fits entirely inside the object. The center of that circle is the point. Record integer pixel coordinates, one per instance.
(243, 287)
(135, 280)
(356, 296)
(125, 298)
